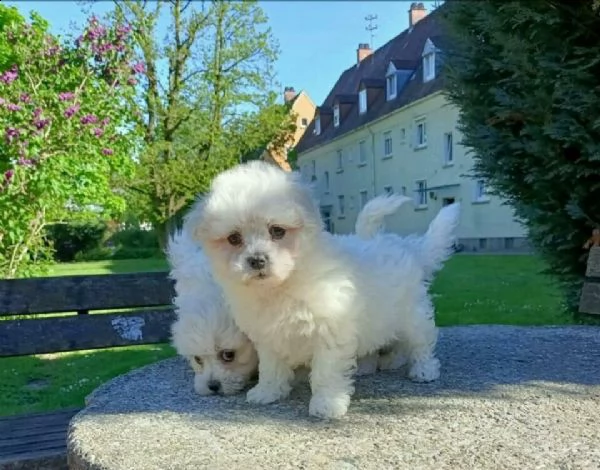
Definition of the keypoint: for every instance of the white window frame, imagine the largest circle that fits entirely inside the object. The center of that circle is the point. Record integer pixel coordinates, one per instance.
(318, 125)
(420, 137)
(391, 86)
(387, 137)
(341, 206)
(364, 197)
(362, 101)
(448, 149)
(326, 182)
(336, 115)
(339, 160)
(362, 153)
(303, 123)
(428, 67)
(480, 192)
(421, 196)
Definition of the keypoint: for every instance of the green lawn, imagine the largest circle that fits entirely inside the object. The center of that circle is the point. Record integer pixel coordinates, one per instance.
(469, 290)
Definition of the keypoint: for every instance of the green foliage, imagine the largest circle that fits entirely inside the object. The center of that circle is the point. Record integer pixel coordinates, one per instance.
(67, 134)
(69, 239)
(525, 75)
(215, 106)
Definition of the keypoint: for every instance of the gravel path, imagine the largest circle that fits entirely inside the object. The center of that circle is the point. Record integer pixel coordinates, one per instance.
(508, 398)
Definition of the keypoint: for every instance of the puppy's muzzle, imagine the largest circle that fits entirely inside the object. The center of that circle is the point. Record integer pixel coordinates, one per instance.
(258, 261)
(214, 386)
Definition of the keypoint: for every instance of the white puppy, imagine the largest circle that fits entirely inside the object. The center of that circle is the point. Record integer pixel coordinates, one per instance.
(306, 298)
(223, 358)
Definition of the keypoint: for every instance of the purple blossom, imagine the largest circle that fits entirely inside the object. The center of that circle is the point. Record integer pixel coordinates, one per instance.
(123, 30)
(52, 51)
(88, 119)
(8, 175)
(10, 75)
(13, 107)
(2, 101)
(97, 31)
(11, 134)
(107, 151)
(37, 112)
(25, 98)
(105, 121)
(138, 67)
(66, 96)
(40, 123)
(71, 110)
(25, 161)
(98, 132)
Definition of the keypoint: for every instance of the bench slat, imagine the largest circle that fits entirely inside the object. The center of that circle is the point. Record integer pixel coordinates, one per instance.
(43, 445)
(74, 333)
(83, 293)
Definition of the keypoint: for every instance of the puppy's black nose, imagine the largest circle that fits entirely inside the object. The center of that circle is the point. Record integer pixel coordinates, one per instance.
(258, 261)
(214, 386)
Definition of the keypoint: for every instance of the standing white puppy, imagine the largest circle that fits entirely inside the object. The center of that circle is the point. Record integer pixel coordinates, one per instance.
(305, 297)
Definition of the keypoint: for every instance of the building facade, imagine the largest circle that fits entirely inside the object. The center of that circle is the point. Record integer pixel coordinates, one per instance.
(302, 108)
(386, 126)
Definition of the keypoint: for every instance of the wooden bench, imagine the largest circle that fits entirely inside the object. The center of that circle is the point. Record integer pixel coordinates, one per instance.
(138, 310)
(589, 301)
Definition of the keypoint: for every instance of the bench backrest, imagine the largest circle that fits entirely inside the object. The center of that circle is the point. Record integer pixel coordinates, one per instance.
(134, 309)
(589, 301)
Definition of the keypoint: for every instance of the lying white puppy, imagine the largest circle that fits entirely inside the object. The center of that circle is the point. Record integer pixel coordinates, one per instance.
(223, 358)
(307, 298)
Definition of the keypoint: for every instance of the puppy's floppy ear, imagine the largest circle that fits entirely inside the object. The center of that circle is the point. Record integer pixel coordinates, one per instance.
(194, 222)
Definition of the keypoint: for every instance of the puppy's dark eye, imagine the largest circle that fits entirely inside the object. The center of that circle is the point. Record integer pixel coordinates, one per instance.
(227, 355)
(198, 360)
(235, 239)
(276, 232)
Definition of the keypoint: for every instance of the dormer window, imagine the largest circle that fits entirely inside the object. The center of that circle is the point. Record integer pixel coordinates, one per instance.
(428, 61)
(362, 101)
(391, 82)
(429, 67)
(318, 125)
(336, 115)
(391, 86)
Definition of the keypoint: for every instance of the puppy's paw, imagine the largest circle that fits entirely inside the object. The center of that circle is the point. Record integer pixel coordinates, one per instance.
(425, 371)
(328, 407)
(392, 361)
(367, 365)
(261, 395)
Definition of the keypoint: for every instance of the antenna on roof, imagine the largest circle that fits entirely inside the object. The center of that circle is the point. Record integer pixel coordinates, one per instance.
(371, 27)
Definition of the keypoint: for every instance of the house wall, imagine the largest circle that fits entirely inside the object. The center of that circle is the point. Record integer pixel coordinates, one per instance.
(304, 110)
(486, 223)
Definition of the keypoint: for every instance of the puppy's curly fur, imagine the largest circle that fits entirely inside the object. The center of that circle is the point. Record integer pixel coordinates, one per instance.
(307, 298)
(223, 358)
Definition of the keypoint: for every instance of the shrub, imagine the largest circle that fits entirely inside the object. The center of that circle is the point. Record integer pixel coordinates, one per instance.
(71, 238)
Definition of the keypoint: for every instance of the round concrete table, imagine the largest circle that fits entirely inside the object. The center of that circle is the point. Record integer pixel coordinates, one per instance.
(508, 398)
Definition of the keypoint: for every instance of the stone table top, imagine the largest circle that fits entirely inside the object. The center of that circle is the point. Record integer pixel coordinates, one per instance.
(508, 397)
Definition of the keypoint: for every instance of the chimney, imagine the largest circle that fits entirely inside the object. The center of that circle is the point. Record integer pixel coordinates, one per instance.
(416, 13)
(289, 94)
(363, 52)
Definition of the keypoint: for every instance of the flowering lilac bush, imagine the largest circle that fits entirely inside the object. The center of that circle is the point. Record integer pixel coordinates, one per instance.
(67, 133)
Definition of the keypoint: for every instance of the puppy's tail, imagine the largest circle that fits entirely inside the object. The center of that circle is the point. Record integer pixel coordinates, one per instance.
(371, 217)
(186, 259)
(439, 240)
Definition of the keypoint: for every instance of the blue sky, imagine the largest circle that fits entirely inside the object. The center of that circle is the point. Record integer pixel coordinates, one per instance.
(318, 39)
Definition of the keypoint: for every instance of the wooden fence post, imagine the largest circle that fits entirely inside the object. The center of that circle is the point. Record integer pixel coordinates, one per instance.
(589, 301)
